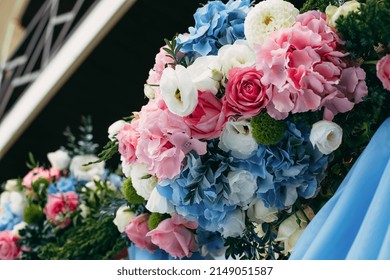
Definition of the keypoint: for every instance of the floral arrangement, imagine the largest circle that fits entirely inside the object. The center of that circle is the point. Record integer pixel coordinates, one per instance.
(54, 211)
(253, 118)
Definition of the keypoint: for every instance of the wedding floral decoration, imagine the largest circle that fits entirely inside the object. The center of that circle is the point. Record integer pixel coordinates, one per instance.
(253, 117)
(46, 214)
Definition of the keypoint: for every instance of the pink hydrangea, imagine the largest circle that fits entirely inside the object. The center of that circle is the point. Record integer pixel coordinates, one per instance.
(59, 205)
(383, 71)
(9, 250)
(303, 66)
(245, 94)
(175, 236)
(40, 172)
(136, 231)
(207, 120)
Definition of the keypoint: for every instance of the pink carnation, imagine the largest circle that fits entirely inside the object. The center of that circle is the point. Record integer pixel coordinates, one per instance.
(137, 231)
(207, 120)
(383, 71)
(162, 60)
(9, 249)
(39, 172)
(164, 140)
(127, 141)
(59, 205)
(303, 66)
(175, 236)
(245, 94)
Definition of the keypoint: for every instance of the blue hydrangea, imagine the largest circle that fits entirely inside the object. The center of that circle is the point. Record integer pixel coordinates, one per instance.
(64, 184)
(210, 243)
(8, 219)
(216, 24)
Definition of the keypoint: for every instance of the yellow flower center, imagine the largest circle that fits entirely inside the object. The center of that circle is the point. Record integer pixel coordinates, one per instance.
(267, 20)
(178, 95)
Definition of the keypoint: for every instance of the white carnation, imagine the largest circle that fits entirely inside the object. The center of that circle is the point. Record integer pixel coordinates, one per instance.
(84, 172)
(326, 135)
(59, 159)
(266, 17)
(240, 54)
(237, 137)
(204, 72)
(142, 181)
(178, 90)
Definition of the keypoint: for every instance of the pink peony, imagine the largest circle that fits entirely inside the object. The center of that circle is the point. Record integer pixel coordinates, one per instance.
(164, 140)
(383, 71)
(127, 141)
(59, 205)
(39, 172)
(303, 66)
(137, 231)
(175, 236)
(8, 246)
(245, 94)
(207, 120)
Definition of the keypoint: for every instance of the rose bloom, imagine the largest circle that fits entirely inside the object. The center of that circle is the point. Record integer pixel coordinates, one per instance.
(207, 120)
(8, 246)
(137, 231)
(175, 236)
(128, 138)
(245, 94)
(383, 71)
(58, 205)
(39, 172)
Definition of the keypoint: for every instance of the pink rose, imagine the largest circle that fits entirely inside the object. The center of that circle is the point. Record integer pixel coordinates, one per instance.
(58, 207)
(383, 71)
(39, 172)
(175, 236)
(245, 94)
(8, 246)
(136, 231)
(127, 141)
(207, 120)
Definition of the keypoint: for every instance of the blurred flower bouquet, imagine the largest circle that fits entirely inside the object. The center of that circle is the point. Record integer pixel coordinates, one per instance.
(254, 117)
(52, 213)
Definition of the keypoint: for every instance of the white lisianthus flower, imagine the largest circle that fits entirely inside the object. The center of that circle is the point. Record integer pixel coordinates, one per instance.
(84, 172)
(59, 159)
(12, 185)
(123, 217)
(237, 137)
(142, 181)
(240, 54)
(159, 204)
(333, 12)
(149, 91)
(290, 231)
(257, 212)
(243, 186)
(266, 17)
(16, 200)
(204, 73)
(233, 224)
(326, 135)
(18, 227)
(114, 129)
(178, 90)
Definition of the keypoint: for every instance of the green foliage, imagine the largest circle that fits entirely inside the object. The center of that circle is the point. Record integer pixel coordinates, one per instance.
(317, 5)
(33, 214)
(94, 240)
(173, 51)
(367, 32)
(155, 219)
(109, 150)
(130, 193)
(267, 130)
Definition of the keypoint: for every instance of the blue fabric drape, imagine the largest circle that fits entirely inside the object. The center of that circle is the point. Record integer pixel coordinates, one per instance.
(355, 222)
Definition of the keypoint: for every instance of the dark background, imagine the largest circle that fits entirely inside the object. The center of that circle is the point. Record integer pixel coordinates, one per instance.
(108, 85)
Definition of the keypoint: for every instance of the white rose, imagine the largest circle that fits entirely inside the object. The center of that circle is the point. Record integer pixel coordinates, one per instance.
(258, 213)
(233, 224)
(333, 12)
(326, 136)
(86, 172)
(12, 185)
(266, 17)
(237, 137)
(240, 54)
(114, 129)
(159, 204)
(18, 227)
(142, 181)
(178, 90)
(123, 217)
(149, 91)
(59, 159)
(16, 200)
(204, 73)
(243, 186)
(290, 231)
